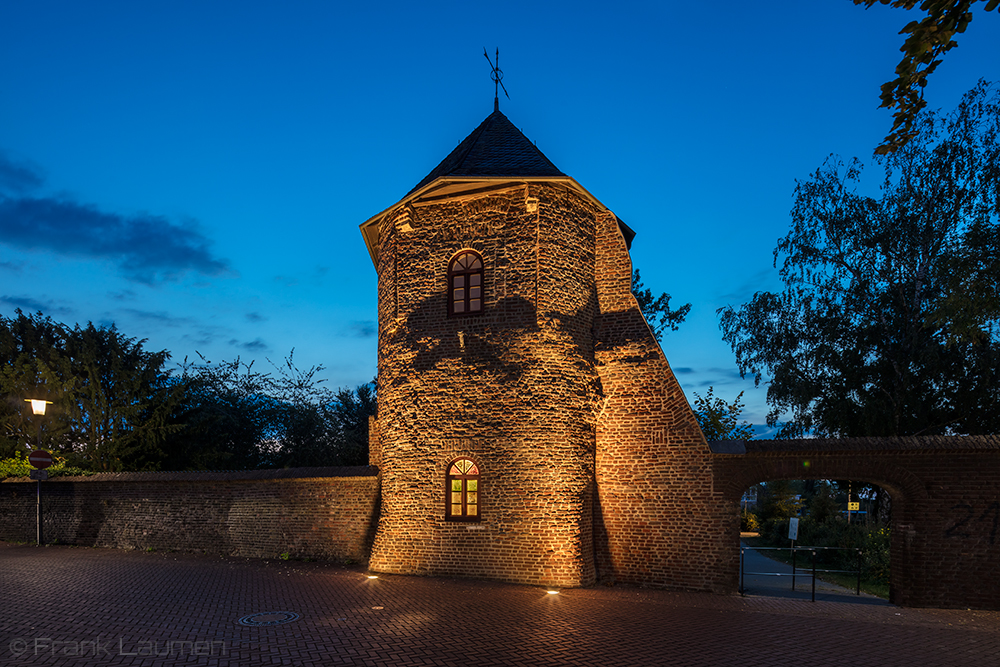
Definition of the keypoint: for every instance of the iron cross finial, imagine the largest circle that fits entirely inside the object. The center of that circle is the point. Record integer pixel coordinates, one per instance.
(497, 76)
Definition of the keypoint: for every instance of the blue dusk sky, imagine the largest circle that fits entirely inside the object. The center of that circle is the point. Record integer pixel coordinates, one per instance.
(196, 171)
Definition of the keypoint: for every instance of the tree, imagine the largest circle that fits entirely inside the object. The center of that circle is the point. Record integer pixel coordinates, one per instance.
(888, 322)
(227, 416)
(111, 399)
(927, 41)
(30, 354)
(720, 420)
(350, 412)
(122, 400)
(657, 310)
(778, 502)
(822, 507)
(115, 407)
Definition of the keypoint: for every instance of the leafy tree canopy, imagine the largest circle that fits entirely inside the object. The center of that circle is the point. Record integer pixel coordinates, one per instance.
(115, 407)
(657, 310)
(926, 43)
(720, 420)
(111, 399)
(888, 321)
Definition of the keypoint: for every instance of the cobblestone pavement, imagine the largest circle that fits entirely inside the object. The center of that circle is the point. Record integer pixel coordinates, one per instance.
(75, 606)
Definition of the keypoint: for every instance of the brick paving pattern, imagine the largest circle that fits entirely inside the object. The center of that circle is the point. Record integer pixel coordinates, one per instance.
(76, 606)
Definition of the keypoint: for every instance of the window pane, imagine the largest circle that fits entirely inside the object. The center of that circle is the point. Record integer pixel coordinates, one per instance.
(459, 281)
(459, 294)
(456, 485)
(471, 499)
(459, 306)
(456, 510)
(474, 304)
(472, 510)
(473, 483)
(464, 465)
(475, 263)
(456, 498)
(475, 279)
(474, 292)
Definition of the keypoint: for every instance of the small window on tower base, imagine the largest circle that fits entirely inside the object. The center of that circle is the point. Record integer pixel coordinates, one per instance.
(462, 501)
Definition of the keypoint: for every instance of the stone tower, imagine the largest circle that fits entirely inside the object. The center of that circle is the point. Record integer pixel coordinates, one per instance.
(505, 316)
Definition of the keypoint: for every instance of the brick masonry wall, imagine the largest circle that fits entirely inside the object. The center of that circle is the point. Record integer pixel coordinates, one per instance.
(945, 544)
(324, 513)
(592, 462)
(513, 389)
(658, 519)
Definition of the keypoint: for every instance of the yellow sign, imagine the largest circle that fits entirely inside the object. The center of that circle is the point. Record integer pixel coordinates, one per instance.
(854, 507)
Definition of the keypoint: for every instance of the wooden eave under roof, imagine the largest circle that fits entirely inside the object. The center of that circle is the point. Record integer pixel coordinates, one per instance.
(456, 187)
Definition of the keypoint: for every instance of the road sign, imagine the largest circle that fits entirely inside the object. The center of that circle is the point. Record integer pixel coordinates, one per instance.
(854, 507)
(40, 459)
(793, 529)
(39, 474)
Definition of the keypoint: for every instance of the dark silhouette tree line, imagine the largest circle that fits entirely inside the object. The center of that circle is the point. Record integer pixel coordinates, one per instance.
(116, 406)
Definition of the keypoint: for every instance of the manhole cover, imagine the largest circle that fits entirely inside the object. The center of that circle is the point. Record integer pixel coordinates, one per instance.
(269, 618)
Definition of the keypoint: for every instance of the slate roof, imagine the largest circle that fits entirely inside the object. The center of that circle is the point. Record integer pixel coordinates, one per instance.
(496, 148)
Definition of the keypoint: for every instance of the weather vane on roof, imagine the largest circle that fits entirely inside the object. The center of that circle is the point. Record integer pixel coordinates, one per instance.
(497, 76)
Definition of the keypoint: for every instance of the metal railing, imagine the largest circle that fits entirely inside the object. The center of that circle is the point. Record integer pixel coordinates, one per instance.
(811, 572)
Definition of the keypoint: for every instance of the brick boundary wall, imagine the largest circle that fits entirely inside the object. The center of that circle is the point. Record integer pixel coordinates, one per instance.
(323, 513)
(945, 543)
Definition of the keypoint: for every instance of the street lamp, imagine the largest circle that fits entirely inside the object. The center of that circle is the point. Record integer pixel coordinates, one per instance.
(38, 408)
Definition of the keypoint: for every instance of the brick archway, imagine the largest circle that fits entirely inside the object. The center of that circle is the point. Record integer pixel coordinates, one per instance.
(946, 505)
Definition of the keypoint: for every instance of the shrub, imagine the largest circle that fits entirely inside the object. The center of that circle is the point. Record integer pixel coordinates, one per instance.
(18, 466)
(749, 522)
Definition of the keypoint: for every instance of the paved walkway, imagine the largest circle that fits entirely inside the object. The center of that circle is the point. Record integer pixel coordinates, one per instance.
(780, 584)
(69, 606)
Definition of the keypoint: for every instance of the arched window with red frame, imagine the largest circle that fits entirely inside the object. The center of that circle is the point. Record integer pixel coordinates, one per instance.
(462, 499)
(465, 284)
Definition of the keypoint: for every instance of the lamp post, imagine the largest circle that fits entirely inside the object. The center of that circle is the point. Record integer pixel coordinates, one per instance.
(38, 408)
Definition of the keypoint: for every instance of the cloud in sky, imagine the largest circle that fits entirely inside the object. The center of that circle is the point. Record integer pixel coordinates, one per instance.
(255, 317)
(124, 295)
(147, 248)
(18, 178)
(362, 329)
(718, 377)
(30, 305)
(255, 345)
(160, 317)
(761, 281)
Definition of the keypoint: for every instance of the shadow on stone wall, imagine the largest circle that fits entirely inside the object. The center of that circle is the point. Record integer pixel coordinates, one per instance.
(325, 513)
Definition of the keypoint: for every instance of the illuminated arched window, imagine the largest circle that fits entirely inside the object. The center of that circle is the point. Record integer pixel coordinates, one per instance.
(465, 284)
(462, 491)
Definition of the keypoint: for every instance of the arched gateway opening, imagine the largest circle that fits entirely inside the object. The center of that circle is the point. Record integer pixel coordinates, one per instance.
(945, 504)
(834, 531)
